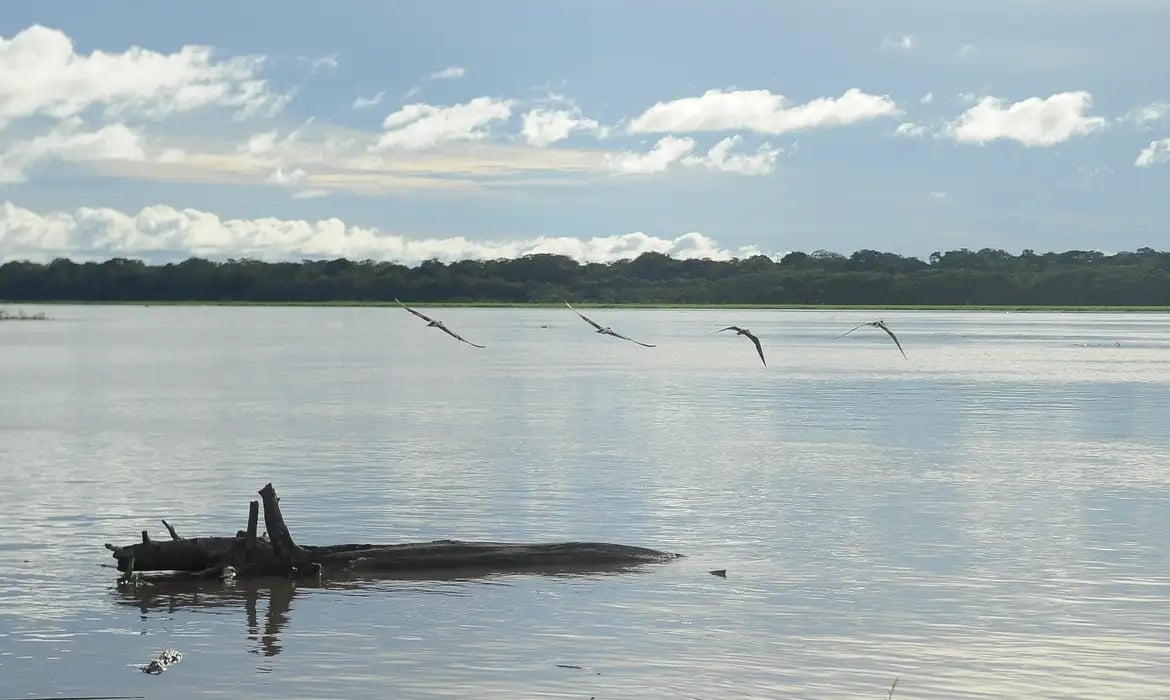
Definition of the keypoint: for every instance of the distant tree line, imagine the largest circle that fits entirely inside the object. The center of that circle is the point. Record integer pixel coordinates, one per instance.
(958, 277)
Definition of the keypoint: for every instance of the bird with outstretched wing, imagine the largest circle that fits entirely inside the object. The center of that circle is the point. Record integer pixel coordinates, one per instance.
(876, 324)
(437, 324)
(751, 336)
(606, 330)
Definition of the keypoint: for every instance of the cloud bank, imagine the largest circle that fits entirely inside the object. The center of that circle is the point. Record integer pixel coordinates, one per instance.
(162, 233)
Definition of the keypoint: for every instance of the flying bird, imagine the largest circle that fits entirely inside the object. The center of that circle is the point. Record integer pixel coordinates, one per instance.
(606, 330)
(876, 324)
(754, 339)
(438, 324)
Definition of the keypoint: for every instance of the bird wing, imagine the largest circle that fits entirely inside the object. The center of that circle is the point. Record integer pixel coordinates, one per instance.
(758, 348)
(455, 335)
(729, 328)
(860, 325)
(619, 335)
(422, 316)
(587, 319)
(887, 330)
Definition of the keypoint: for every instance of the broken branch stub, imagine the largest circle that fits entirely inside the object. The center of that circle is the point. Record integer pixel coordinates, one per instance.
(278, 534)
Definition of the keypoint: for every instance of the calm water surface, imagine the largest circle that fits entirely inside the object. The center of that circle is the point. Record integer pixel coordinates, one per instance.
(986, 519)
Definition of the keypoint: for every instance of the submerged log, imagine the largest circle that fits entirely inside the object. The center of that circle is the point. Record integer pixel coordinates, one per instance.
(279, 555)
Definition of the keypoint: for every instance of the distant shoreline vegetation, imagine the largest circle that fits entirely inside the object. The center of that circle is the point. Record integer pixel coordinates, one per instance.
(959, 279)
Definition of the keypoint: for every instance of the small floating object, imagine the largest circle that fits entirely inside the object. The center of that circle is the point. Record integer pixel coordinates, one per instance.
(720, 572)
(579, 668)
(163, 661)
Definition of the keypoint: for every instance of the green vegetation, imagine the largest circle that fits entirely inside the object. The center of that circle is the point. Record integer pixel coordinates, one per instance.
(1073, 280)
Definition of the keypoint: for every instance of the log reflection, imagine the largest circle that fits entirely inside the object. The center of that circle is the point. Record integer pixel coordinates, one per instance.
(174, 597)
(160, 596)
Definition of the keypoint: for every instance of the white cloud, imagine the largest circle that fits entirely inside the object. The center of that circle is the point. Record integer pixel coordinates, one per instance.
(671, 150)
(70, 142)
(966, 50)
(1033, 122)
(361, 102)
(902, 43)
(760, 111)
(340, 159)
(543, 127)
(42, 75)
(280, 177)
(1146, 116)
(939, 195)
(720, 158)
(261, 143)
(1157, 152)
(910, 130)
(294, 178)
(448, 73)
(419, 125)
(668, 150)
(927, 98)
(321, 63)
(161, 232)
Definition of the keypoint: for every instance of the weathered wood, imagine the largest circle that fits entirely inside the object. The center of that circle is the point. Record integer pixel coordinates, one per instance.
(282, 541)
(187, 554)
(278, 555)
(174, 535)
(250, 535)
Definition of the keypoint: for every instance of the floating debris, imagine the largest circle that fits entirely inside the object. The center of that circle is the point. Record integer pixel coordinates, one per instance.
(162, 662)
(578, 668)
(720, 572)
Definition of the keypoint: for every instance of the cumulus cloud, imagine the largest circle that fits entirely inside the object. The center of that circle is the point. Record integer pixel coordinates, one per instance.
(927, 98)
(420, 125)
(164, 233)
(542, 127)
(668, 150)
(280, 177)
(1034, 122)
(1157, 152)
(720, 158)
(42, 75)
(760, 111)
(70, 142)
(671, 150)
(448, 73)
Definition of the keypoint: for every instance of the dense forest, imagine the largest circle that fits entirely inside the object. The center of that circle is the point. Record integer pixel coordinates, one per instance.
(867, 277)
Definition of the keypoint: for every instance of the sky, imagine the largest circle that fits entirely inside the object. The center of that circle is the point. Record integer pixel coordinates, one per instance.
(697, 128)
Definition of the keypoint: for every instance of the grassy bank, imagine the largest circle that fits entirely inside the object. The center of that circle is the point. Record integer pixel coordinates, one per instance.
(588, 305)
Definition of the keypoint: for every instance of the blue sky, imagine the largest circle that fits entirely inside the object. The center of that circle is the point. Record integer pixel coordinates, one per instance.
(402, 131)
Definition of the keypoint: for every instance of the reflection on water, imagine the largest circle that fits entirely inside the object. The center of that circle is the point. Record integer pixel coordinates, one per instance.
(983, 519)
(172, 597)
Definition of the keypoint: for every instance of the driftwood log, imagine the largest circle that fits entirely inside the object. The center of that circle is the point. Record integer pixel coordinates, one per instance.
(247, 555)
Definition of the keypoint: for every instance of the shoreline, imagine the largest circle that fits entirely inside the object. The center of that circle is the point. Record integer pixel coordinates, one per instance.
(1021, 308)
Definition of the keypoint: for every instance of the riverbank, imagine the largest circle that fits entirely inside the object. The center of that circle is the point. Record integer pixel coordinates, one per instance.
(631, 305)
